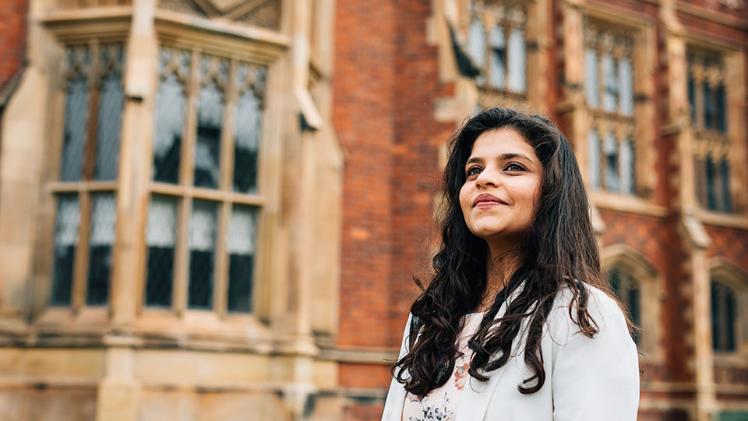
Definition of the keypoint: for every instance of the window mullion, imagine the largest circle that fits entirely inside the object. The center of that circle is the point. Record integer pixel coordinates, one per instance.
(220, 275)
(186, 171)
(89, 154)
(699, 99)
(181, 260)
(80, 271)
(227, 133)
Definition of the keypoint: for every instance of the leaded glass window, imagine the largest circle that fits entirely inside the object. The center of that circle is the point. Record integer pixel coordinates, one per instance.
(86, 212)
(724, 317)
(206, 182)
(628, 292)
(609, 94)
(708, 112)
(497, 45)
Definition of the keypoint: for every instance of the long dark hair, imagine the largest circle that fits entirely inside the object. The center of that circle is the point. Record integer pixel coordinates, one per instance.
(560, 250)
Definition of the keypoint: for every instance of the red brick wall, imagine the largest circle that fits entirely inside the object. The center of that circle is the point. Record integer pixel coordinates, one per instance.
(12, 38)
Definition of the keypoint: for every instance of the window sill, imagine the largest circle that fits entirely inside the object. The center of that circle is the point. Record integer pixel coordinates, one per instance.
(736, 359)
(626, 203)
(722, 219)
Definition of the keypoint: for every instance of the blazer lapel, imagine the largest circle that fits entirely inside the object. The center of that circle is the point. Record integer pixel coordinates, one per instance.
(477, 395)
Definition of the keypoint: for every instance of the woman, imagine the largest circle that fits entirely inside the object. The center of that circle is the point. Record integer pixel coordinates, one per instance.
(516, 323)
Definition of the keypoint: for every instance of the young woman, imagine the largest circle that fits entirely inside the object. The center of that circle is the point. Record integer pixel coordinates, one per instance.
(517, 323)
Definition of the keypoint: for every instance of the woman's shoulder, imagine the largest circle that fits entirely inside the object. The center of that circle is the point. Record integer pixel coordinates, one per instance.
(602, 308)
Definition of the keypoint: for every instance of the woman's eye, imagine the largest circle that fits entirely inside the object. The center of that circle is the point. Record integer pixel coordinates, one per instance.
(513, 167)
(473, 171)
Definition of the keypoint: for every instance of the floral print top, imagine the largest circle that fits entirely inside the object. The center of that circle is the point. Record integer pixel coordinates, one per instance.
(441, 403)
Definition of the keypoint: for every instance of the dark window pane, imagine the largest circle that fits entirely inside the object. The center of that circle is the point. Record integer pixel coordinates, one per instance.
(724, 178)
(709, 111)
(711, 185)
(241, 248)
(692, 97)
(731, 314)
(209, 125)
(66, 242)
(248, 128)
(110, 113)
(103, 219)
(161, 243)
(202, 241)
(716, 326)
(170, 115)
(721, 108)
(76, 114)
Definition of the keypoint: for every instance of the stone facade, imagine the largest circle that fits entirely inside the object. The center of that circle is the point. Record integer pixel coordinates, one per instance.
(357, 102)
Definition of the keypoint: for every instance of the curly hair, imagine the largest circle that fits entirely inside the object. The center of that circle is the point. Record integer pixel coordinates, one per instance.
(559, 251)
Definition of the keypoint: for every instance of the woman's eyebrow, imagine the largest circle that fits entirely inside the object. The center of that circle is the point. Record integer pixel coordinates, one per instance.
(505, 156)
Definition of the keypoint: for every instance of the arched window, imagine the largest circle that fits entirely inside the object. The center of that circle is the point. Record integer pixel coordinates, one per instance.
(724, 316)
(628, 291)
(639, 288)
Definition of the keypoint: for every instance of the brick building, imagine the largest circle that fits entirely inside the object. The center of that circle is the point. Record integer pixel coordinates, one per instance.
(213, 209)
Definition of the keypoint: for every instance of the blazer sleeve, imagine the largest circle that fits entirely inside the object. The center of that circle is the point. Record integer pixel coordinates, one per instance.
(595, 378)
(389, 403)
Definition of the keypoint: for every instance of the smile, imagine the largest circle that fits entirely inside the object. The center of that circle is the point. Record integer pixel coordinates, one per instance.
(486, 200)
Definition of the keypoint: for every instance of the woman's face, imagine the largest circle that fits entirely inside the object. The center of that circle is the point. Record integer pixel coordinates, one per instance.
(503, 180)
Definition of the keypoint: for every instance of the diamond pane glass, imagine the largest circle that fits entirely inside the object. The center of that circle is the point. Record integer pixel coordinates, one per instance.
(110, 113)
(170, 115)
(610, 81)
(625, 84)
(66, 242)
(202, 241)
(103, 219)
(161, 242)
(248, 129)
(76, 114)
(497, 76)
(209, 127)
(628, 168)
(591, 87)
(516, 60)
(612, 181)
(241, 248)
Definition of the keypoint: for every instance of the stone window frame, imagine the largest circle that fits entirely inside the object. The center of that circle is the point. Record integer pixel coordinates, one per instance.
(651, 292)
(619, 43)
(86, 187)
(256, 45)
(507, 15)
(448, 30)
(222, 196)
(642, 29)
(726, 145)
(728, 274)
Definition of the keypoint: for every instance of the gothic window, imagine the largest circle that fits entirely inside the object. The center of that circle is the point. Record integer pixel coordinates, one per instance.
(724, 317)
(627, 290)
(85, 218)
(609, 94)
(707, 103)
(497, 45)
(202, 222)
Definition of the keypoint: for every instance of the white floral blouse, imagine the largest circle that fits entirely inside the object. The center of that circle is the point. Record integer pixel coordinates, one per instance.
(441, 403)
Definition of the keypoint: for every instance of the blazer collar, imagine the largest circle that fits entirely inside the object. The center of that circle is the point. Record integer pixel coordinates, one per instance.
(476, 395)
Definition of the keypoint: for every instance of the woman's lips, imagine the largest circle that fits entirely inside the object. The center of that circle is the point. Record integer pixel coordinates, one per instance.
(486, 200)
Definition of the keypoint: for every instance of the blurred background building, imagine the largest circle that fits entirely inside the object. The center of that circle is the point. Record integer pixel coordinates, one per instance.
(213, 209)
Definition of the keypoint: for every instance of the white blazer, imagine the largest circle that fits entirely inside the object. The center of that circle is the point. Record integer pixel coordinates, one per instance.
(587, 379)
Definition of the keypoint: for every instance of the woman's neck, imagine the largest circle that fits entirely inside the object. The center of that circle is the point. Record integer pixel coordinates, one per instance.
(504, 259)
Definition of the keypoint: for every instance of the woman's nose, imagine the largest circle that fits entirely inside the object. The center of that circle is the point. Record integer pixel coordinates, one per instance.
(486, 178)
